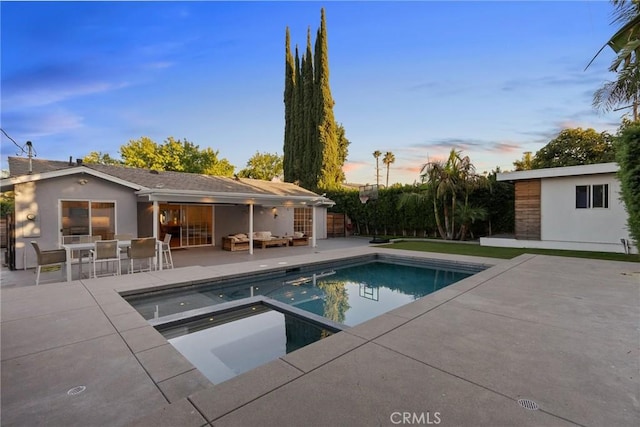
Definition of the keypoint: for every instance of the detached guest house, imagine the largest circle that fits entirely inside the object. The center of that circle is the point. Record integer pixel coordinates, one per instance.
(56, 198)
(574, 207)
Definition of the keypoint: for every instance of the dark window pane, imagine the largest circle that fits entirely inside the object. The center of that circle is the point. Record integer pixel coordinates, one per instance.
(601, 196)
(582, 196)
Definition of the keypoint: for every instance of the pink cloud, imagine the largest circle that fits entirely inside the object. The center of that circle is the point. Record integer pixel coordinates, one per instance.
(352, 166)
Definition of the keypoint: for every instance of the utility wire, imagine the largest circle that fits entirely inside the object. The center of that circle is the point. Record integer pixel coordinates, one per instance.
(23, 151)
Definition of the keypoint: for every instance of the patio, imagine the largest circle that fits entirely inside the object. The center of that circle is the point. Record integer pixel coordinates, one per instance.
(560, 333)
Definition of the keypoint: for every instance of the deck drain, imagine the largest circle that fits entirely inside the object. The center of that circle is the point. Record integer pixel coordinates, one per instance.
(76, 390)
(528, 404)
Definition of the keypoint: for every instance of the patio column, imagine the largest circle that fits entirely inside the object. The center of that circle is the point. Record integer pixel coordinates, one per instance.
(156, 226)
(156, 215)
(313, 227)
(251, 229)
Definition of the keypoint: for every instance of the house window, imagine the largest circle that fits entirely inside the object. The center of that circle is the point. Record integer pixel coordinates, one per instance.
(592, 196)
(582, 196)
(302, 220)
(83, 217)
(601, 196)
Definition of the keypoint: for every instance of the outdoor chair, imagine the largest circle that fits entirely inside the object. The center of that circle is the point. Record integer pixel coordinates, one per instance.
(140, 250)
(166, 251)
(125, 236)
(49, 258)
(106, 252)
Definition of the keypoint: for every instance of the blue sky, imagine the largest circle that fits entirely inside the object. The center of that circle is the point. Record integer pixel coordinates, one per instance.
(491, 78)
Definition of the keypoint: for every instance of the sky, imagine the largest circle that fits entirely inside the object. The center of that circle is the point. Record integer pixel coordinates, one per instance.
(493, 79)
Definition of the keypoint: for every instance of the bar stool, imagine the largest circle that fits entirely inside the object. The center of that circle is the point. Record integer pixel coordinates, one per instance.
(166, 251)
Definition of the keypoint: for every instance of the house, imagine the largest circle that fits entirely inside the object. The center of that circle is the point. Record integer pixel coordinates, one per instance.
(573, 207)
(59, 198)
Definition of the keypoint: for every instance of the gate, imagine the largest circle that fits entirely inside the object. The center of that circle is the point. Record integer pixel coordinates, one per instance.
(335, 224)
(10, 242)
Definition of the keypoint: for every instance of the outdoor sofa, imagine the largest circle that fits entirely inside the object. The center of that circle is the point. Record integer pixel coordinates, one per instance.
(261, 239)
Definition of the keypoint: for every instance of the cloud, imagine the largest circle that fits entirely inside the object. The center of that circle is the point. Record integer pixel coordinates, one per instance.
(568, 79)
(41, 122)
(353, 166)
(51, 84)
(465, 144)
(504, 147)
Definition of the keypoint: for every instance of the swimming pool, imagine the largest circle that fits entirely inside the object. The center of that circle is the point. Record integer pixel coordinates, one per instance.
(228, 326)
(228, 342)
(348, 292)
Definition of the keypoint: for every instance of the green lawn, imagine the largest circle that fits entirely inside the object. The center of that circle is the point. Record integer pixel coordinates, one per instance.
(508, 253)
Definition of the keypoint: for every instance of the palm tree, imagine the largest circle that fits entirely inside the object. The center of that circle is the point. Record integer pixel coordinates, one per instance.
(387, 160)
(626, 44)
(377, 154)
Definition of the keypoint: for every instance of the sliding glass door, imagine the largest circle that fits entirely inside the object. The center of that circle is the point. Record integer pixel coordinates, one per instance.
(189, 225)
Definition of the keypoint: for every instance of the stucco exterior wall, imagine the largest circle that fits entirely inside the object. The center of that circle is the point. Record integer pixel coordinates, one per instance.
(42, 198)
(561, 221)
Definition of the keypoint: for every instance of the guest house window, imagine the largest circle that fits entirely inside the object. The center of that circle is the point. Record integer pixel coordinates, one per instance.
(582, 196)
(601, 196)
(592, 196)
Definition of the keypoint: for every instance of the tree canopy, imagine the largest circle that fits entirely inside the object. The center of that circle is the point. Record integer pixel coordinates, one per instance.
(263, 166)
(174, 155)
(98, 157)
(575, 147)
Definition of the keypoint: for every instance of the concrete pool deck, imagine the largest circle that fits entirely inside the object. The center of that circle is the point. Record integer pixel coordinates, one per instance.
(561, 332)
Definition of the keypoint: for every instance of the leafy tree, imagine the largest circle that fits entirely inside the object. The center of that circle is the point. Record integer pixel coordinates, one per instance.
(141, 153)
(97, 157)
(263, 166)
(174, 155)
(388, 159)
(7, 203)
(628, 158)
(575, 147)
(524, 164)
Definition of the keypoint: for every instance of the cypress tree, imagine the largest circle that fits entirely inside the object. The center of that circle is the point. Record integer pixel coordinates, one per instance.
(289, 111)
(330, 169)
(298, 120)
(315, 147)
(310, 161)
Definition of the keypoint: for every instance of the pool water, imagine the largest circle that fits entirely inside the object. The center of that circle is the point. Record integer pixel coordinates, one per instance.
(224, 345)
(347, 295)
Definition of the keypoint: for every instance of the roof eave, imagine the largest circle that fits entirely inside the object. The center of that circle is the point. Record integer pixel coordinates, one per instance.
(197, 196)
(65, 172)
(592, 169)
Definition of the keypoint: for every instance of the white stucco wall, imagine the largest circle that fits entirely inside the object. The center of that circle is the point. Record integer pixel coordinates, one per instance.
(42, 198)
(561, 221)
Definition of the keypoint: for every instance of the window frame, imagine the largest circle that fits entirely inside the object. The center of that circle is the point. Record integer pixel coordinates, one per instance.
(595, 199)
(580, 195)
(603, 199)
